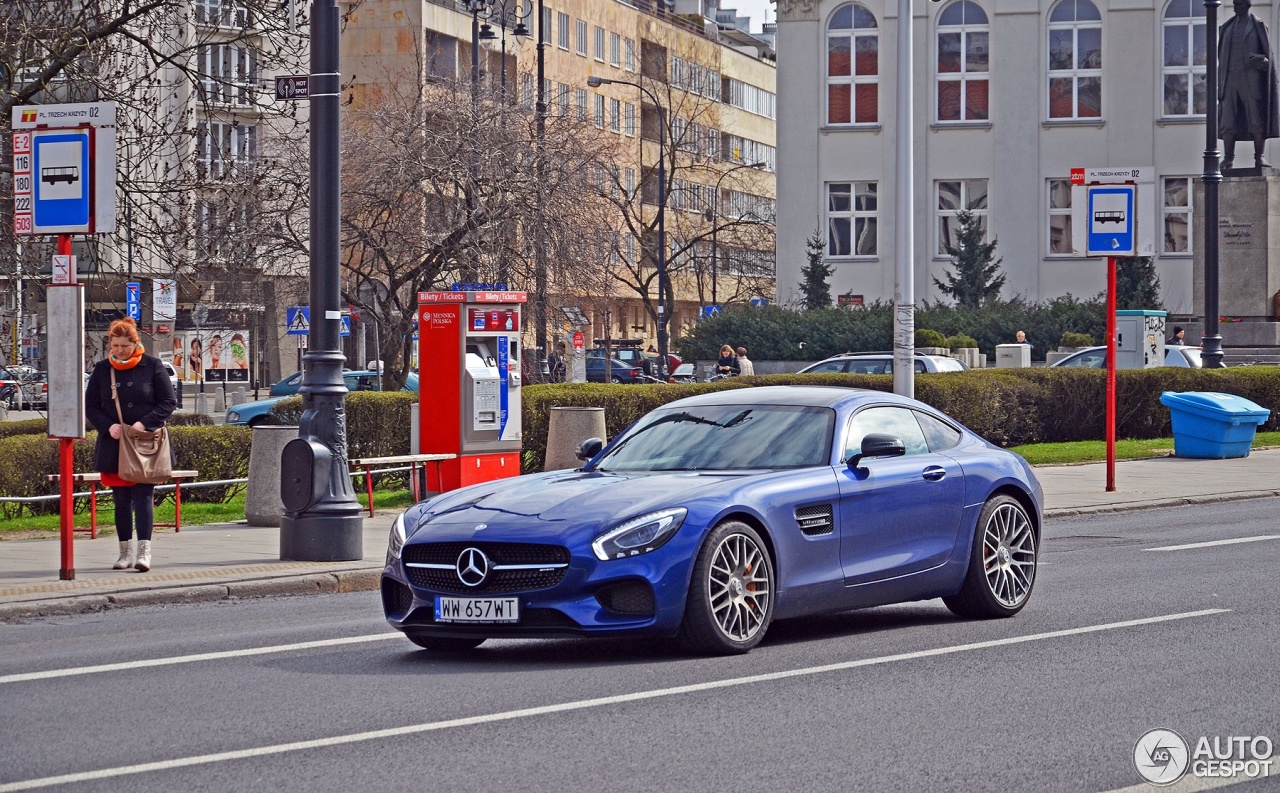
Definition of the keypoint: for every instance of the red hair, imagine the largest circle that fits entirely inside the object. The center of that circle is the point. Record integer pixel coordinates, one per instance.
(125, 328)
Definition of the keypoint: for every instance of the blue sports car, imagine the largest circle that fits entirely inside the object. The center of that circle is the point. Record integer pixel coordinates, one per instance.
(716, 514)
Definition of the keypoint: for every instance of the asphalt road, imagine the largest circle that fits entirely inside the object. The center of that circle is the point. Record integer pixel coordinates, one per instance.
(1118, 639)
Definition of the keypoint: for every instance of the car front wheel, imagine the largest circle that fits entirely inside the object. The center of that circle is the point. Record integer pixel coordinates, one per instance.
(730, 601)
(1002, 563)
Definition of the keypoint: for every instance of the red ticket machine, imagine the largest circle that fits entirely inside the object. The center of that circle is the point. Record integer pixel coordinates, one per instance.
(469, 383)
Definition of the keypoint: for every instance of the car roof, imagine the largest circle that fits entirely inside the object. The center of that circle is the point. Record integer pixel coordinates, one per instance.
(879, 354)
(800, 395)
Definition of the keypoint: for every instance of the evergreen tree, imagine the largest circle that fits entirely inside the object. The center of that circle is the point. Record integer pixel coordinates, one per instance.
(1137, 284)
(977, 277)
(815, 291)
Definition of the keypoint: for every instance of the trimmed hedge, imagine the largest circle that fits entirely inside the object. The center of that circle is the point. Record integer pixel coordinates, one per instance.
(220, 452)
(1006, 406)
(377, 421)
(8, 429)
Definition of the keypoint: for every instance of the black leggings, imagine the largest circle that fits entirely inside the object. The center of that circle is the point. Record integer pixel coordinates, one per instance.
(134, 506)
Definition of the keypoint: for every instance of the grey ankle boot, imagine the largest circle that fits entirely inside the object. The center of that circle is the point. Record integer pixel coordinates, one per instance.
(144, 556)
(126, 556)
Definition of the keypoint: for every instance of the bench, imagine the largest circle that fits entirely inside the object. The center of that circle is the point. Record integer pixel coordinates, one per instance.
(95, 479)
(413, 461)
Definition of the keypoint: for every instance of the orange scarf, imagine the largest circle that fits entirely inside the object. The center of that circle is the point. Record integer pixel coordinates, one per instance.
(130, 362)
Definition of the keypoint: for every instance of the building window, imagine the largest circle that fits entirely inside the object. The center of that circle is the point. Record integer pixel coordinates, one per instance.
(853, 65)
(222, 148)
(752, 99)
(228, 73)
(527, 82)
(1177, 215)
(599, 111)
(615, 49)
(615, 115)
(222, 13)
(562, 31)
(746, 151)
(629, 52)
(1184, 59)
(581, 94)
(695, 78)
(629, 117)
(630, 183)
(963, 61)
(1059, 217)
(1075, 60)
(582, 37)
(851, 219)
(562, 100)
(600, 44)
(953, 197)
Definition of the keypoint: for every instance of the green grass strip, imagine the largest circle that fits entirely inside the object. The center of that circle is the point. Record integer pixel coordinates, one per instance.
(1096, 451)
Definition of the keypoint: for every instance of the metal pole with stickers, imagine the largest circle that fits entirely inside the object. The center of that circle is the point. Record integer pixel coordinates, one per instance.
(64, 184)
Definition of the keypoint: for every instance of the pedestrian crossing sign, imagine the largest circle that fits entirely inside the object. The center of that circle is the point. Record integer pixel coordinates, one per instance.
(298, 320)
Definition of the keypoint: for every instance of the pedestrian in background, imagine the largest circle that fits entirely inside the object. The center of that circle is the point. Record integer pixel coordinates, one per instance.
(1021, 338)
(727, 363)
(146, 402)
(745, 367)
(1178, 335)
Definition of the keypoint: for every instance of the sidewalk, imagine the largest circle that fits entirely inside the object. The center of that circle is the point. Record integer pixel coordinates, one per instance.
(221, 561)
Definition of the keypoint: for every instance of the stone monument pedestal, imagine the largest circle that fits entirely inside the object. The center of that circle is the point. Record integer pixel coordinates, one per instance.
(1248, 256)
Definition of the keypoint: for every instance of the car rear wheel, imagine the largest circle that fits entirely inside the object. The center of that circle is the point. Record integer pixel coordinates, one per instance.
(730, 601)
(1002, 564)
(616, 380)
(444, 644)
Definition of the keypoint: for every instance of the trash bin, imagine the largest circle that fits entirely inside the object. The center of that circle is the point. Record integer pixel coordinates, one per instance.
(1212, 426)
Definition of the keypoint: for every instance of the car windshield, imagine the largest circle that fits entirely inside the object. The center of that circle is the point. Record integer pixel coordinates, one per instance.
(725, 438)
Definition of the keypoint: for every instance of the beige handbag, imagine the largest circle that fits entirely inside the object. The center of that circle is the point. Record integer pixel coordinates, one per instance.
(144, 455)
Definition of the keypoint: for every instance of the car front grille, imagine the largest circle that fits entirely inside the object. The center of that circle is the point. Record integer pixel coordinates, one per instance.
(524, 579)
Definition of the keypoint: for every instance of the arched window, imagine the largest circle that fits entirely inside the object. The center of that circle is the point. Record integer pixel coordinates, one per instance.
(853, 66)
(963, 62)
(1184, 59)
(1075, 60)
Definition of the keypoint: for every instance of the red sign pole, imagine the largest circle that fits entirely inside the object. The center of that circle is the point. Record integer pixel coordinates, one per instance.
(66, 472)
(1111, 374)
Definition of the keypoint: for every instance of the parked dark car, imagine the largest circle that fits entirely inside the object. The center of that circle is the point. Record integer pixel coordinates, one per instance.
(620, 371)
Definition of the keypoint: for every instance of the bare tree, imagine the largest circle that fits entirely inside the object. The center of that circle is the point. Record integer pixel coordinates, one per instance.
(452, 192)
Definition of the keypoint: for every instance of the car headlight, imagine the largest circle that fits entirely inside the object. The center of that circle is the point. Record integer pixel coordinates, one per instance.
(233, 416)
(639, 535)
(396, 542)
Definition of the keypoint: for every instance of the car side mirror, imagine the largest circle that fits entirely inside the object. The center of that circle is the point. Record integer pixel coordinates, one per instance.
(877, 446)
(589, 448)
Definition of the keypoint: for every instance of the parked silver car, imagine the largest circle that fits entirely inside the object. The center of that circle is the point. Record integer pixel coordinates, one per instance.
(1096, 357)
(881, 363)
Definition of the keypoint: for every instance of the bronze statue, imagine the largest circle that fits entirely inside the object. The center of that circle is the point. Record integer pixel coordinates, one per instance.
(1247, 93)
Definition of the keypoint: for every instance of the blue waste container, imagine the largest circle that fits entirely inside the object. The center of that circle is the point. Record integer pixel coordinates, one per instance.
(1212, 426)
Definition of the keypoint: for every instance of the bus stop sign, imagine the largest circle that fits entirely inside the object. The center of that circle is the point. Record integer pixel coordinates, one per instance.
(1111, 220)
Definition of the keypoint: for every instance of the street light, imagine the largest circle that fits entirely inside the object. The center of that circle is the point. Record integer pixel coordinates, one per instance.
(1211, 338)
(596, 82)
(712, 215)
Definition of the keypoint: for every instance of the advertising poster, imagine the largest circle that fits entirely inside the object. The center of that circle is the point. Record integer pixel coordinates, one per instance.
(164, 300)
(212, 356)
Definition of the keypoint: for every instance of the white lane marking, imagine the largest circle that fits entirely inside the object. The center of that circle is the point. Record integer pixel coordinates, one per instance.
(1189, 784)
(638, 696)
(48, 674)
(1236, 541)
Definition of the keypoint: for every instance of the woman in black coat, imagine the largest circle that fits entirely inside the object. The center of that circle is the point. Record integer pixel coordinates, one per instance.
(146, 402)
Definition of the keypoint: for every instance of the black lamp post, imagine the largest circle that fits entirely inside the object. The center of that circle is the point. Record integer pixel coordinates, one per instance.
(1211, 340)
(322, 519)
(479, 9)
(712, 215)
(596, 82)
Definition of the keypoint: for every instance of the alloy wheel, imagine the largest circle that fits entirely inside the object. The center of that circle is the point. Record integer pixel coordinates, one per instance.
(738, 587)
(1009, 555)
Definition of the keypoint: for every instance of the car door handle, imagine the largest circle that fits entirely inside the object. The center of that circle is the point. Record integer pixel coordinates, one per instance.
(935, 473)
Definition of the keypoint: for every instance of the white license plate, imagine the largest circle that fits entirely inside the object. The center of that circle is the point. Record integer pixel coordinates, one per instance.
(477, 609)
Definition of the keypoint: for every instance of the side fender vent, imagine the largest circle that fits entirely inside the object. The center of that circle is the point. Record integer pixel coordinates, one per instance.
(815, 520)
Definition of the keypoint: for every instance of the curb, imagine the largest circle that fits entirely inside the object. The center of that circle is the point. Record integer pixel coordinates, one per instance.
(1162, 503)
(284, 586)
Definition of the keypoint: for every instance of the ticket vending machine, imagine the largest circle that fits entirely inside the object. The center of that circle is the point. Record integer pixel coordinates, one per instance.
(469, 383)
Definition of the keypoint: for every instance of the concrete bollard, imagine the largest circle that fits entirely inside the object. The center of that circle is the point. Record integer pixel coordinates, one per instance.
(569, 427)
(240, 396)
(202, 403)
(219, 401)
(262, 503)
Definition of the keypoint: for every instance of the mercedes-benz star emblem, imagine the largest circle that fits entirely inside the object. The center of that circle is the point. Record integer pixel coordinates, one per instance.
(472, 566)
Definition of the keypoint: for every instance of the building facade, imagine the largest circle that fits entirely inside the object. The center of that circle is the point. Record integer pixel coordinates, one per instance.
(716, 88)
(1007, 99)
